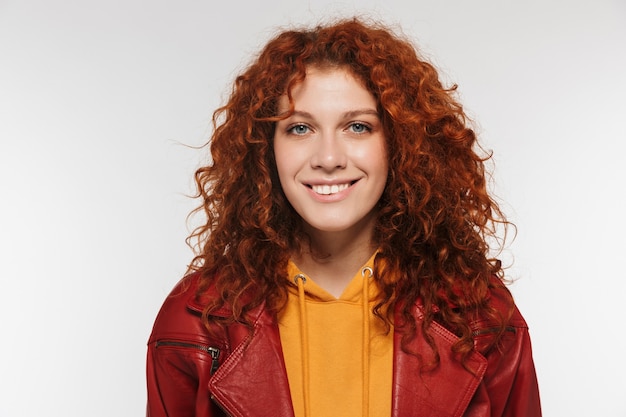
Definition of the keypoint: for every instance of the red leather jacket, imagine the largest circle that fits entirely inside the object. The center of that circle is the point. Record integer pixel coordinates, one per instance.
(236, 372)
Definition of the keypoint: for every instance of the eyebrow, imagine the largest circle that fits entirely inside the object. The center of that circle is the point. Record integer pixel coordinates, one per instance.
(348, 115)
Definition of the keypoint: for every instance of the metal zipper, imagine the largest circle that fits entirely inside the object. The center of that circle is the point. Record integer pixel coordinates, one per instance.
(212, 351)
(492, 330)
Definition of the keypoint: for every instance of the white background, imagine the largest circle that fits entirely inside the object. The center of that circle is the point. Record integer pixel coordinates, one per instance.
(98, 101)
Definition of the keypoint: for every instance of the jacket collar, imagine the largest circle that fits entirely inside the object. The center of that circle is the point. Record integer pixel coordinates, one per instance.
(252, 379)
(445, 390)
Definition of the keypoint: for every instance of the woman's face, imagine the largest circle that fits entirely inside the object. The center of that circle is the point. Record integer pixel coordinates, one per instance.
(330, 153)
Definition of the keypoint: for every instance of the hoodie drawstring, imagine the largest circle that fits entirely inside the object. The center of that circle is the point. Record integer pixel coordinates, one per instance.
(300, 280)
(366, 273)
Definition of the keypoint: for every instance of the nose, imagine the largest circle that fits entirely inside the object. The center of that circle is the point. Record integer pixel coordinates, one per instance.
(330, 152)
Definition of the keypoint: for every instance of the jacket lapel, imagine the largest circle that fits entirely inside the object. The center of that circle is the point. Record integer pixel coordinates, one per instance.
(252, 380)
(443, 391)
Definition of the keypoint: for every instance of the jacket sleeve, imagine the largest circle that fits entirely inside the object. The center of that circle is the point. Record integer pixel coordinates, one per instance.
(179, 362)
(524, 397)
(509, 387)
(511, 382)
(173, 383)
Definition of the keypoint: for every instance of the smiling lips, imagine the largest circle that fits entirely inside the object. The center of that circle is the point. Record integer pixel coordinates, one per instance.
(326, 189)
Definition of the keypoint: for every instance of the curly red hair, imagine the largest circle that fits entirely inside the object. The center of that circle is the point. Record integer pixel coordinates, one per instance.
(435, 215)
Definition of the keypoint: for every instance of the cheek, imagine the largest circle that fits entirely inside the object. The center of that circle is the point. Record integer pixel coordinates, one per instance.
(375, 157)
(380, 168)
(284, 163)
(279, 159)
(382, 174)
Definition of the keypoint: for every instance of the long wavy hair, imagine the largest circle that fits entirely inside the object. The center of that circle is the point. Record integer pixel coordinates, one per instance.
(435, 218)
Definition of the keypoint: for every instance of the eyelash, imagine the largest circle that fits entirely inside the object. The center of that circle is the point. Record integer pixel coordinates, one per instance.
(366, 128)
(292, 129)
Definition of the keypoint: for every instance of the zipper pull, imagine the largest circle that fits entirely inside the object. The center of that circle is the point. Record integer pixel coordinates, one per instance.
(215, 354)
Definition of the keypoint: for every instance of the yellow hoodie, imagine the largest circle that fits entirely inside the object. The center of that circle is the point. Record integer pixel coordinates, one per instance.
(337, 353)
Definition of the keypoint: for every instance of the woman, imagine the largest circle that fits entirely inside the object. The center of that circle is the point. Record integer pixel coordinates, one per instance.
(344, 267)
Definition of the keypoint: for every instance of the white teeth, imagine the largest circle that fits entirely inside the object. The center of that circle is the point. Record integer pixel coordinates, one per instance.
(329, 189)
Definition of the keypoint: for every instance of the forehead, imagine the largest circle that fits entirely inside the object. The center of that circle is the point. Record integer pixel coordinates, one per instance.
(328, 87)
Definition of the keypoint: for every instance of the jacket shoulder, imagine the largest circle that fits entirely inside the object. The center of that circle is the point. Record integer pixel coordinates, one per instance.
(180, 316)
(182, 356)
(510, 382)
(500, 300)
(505, 322)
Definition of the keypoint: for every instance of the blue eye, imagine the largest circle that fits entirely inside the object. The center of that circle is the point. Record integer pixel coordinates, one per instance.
(299, 129)
(359, 127)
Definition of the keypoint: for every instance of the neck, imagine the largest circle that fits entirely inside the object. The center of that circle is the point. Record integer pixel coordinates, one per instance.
(333, 258)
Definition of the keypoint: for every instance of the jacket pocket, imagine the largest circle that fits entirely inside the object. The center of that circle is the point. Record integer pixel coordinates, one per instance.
(212, 351)
(486, 339)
